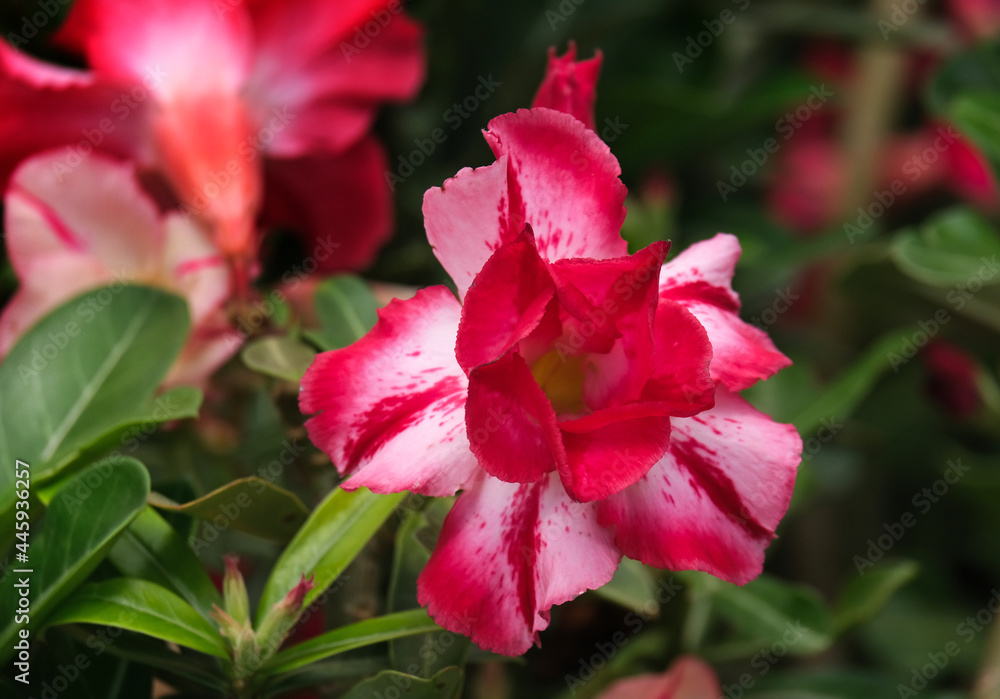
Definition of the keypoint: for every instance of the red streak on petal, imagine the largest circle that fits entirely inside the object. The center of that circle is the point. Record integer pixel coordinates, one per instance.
(708, 478)
(197, 264)
(66, 234)
(392, 415)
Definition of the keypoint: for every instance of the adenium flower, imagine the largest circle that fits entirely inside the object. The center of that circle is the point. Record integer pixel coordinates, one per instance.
(688, 677)
(583, 400)
(96, 226)
(247, 108)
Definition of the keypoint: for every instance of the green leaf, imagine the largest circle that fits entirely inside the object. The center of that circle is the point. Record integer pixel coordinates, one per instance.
(176, 404)
(358, 635)
(144, 607)
(956, 247)
(838, 400)
(632, 587)
(447, 684)
(866, 594)
(768, 610)
(82, 522)
(87, 367)
(279, 356)
(112, 361)
(150, 549)
(977, 115)
(144, 650)
(325, 672)
(346, 309)
(252, 505)
(333, 535)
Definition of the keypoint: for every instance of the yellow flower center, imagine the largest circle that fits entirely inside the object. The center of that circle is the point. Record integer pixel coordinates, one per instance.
(561, 378)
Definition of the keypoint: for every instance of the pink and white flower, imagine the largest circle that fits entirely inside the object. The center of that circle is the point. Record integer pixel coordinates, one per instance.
(96, 226)
(248, 109)
(582, 399)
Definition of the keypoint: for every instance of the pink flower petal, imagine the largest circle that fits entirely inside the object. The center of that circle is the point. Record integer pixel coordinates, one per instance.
(563, 182)
(96, 210)
(611, 305)
(512, 422)
(609, 450)
(700, 278)
(506, 555)
(175, 47)
(340, 204)
(391, 406)
(467, 220)
(64, 107)
(505, 303)
(194, 268)
(569, 85)
(713, 503)
(683, 355)
(331, 72)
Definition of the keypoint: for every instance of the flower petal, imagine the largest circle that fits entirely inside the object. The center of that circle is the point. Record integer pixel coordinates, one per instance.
(331, 72)
(611, 304)
(167, 44)
(511, 422)
(391, 406)
(700, 278)
(467, 220)
(62, 107)
(95, 210)
(713, 503)
(192, 266)
(681, 376)
(569, 85)
(609, 450)
(341, 232)
(506, 555)
(505, 303)
(563, 182)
